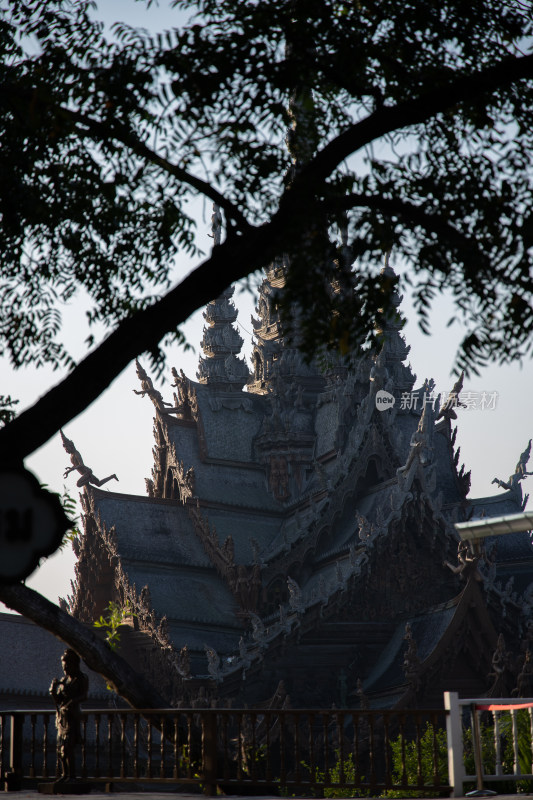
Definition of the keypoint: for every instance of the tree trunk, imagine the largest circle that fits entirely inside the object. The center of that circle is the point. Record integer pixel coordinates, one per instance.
(98, 656)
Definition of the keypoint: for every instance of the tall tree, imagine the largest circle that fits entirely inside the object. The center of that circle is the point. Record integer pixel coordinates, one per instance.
(410, 127)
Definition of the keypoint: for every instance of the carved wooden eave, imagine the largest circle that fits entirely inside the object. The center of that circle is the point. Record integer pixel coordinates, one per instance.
(375, 443)
(469, 635)
(353, 582)
(243, 581)
(93, 570)
(100, 567)
(171, 479)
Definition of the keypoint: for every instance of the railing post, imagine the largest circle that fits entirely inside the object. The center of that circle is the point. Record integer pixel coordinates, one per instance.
(209, 752)
(14, 773)
(454, 735)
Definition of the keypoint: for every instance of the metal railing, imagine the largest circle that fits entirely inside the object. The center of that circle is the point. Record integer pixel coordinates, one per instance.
(281, 751)
(488, 731)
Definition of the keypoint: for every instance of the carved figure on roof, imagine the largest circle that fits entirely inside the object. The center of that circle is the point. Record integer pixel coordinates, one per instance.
(189, 481)
(184, 662)
(87, 475)
(147, 387)
(145, 599)
(507, 595)
(453, 401)
(243, 588)
(162, 631)
(295, 595)
(513, 484)
(258, 629)
(467, 563)
(524, 681)
(365, 528)
(500, 664)
(213, 663)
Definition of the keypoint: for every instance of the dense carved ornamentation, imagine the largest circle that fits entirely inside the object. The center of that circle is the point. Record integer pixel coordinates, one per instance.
(301, 522)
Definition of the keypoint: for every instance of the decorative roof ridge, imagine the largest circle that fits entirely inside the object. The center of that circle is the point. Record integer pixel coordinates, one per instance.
(496, 498)
(138, 498)
(235, 504)
(166, 566)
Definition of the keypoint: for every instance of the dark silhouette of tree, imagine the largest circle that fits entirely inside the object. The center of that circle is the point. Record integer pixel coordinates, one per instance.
(409, 128)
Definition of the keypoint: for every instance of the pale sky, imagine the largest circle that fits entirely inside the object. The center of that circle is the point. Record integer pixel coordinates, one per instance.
(115, 433)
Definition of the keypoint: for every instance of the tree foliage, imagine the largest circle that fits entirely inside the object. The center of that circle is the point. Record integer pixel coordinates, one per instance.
(329, 132)
(409, 127)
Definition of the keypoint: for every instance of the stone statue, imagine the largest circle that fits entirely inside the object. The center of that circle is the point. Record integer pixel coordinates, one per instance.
(87, 475)
(67, 694)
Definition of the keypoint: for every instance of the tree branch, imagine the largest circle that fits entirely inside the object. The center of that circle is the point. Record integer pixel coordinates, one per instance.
(104, 131)
(124, 136)
(139, 333)
(433, 223)
(97, 655)
(231, 261)
(411, 112)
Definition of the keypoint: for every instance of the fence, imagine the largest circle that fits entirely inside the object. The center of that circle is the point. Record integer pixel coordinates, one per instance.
(500, 751)
(301, 752)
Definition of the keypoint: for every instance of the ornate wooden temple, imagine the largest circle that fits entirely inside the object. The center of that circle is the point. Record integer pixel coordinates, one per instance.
(297, 535)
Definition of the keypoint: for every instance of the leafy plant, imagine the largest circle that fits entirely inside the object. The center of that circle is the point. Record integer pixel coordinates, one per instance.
(341, 772)
(111, 622)
(419, 761)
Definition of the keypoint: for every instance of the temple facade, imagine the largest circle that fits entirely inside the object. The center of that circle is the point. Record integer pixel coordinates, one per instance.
(297, 539)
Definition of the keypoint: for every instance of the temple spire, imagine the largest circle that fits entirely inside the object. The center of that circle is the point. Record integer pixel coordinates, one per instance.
(395, 350)
(221, 343)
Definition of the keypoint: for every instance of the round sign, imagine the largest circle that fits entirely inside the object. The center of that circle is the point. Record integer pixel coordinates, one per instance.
(32, 523)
